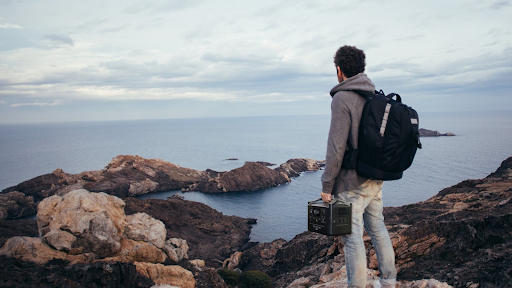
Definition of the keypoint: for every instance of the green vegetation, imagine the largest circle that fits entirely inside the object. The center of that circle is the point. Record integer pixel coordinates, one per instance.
(230, 277)
(249, 279)
(255, 279)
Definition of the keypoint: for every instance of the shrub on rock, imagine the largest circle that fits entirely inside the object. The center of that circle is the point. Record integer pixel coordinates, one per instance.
(230, 277)
(255, 279)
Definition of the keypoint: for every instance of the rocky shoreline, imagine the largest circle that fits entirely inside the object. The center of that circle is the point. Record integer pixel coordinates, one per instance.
(127, 176)
(461, 237)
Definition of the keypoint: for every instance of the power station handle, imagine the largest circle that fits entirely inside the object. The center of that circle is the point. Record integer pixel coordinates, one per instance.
(334, 200)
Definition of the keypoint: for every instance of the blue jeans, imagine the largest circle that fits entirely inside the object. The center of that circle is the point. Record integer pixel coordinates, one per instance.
(367, 211)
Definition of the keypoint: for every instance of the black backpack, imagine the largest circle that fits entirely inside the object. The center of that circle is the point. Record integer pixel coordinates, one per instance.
(388, 138)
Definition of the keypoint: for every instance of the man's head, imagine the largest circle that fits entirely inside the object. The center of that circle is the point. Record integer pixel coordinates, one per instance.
(349, 61)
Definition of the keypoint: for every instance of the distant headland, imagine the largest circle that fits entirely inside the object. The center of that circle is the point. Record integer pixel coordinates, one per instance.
(432, 133)
(128, 175)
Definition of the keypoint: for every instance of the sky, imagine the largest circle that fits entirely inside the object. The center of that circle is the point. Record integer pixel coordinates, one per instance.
(63, 60)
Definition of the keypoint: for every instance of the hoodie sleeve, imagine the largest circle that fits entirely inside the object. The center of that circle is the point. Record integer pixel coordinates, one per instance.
(336, 142)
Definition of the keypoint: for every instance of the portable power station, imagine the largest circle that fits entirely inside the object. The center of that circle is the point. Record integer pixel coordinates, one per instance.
(331, 219)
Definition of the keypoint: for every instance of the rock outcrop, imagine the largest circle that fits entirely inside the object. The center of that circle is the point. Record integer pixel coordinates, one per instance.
(83, 222)
(127, 176)
(83, 227)
(14, 205)
(253, 176)
(171, 275)
(210, 235)
(124, 176)
(432, 133)
(60, 273)
(461, 236)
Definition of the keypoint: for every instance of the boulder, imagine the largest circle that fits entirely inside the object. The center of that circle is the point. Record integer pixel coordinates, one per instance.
(82, 221)
(171, 275)
(60, 240)
(427, 283)
(233, 261)
(35, 250)
(81, 227)
(21, 227)
(199, 263)
(140, 251)
(176, 249)
(141, 226)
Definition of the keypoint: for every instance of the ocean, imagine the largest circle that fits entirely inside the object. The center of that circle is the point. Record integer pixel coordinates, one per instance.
(483, 141)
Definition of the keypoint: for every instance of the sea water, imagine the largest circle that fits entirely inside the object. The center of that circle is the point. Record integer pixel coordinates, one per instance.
(483, 141)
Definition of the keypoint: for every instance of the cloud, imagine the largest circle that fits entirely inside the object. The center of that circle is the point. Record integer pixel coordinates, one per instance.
(410, 38)
(6, 25)
(9, 26)
(60, 39)
(159, 6)
(115, 28)
(90, 25)
(54, 103)
(498, 5)
(232, 52)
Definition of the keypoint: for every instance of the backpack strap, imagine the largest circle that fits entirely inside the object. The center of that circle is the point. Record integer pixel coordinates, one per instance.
(367, 95)
(350, 157)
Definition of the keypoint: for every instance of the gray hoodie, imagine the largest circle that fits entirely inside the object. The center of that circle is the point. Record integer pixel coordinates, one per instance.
(346, 110)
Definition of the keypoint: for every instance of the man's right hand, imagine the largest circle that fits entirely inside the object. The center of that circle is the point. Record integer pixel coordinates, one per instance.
(326, 197)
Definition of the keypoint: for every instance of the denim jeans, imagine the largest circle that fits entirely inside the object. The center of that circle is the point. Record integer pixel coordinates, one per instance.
(367, 211)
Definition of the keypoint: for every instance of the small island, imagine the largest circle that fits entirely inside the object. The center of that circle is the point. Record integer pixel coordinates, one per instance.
(432, 133)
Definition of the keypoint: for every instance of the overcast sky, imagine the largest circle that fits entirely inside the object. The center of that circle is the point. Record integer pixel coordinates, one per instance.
(152, 59)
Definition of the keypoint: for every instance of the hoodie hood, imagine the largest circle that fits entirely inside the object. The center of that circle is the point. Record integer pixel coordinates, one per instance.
(357, 82)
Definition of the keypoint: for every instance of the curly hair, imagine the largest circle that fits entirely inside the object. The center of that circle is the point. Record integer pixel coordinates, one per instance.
(350, 60)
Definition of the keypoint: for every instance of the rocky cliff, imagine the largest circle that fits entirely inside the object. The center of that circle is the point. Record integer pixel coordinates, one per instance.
(462, 236)
(129, 175)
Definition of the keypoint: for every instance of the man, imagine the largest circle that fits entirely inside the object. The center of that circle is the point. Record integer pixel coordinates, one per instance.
(364, 194)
